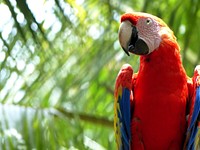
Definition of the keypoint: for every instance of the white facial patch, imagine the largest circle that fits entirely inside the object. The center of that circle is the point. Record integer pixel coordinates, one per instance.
(148, 30)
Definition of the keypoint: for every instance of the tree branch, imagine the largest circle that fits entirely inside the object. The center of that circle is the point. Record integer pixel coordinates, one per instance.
(86, 117)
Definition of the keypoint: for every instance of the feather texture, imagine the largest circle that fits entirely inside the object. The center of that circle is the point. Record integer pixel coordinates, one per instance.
(162, 92)
(122, 106)
(194, 127)
(123, 120)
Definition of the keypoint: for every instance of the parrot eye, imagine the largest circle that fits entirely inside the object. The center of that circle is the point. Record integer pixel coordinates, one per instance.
(148, 21)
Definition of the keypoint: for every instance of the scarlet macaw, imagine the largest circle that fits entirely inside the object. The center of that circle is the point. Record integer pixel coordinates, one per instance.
(158, 107)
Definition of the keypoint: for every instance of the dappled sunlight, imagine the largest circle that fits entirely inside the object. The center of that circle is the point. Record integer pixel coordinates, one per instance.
(58, 64)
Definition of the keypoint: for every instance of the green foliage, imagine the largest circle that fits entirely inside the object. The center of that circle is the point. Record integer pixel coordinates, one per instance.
(58, 64)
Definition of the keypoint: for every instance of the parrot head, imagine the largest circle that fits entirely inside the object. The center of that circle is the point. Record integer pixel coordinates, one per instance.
(142, 33)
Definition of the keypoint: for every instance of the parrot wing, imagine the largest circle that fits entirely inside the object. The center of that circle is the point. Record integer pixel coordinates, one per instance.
(194, 124)
(122, 107)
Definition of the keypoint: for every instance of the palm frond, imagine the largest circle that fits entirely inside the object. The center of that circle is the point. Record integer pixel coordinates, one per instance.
(58, 64)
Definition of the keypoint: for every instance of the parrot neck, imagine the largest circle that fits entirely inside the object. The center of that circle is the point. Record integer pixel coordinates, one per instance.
(161, 71)
(164, 60)
(160, 93)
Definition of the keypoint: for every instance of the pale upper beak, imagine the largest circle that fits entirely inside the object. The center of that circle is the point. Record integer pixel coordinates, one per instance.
(129, 40)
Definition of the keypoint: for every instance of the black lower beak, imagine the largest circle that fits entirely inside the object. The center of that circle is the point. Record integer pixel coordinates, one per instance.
(126, 51)
(137, 45)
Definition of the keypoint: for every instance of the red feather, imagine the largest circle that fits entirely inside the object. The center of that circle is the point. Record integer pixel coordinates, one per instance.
(163, 99)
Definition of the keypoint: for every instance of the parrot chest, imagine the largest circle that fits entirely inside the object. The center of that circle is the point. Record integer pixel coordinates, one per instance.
(159, 118)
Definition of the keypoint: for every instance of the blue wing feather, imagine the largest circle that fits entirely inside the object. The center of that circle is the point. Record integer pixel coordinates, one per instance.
(193, 127)
(124, 119)
(122, 107)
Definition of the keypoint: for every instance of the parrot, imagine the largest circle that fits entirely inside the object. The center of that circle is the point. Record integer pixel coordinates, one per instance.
(158, 107)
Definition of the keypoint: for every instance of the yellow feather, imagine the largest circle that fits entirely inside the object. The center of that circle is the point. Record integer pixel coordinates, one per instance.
(117, 124)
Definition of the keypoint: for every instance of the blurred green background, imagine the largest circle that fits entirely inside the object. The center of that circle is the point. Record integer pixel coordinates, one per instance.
(58, 64)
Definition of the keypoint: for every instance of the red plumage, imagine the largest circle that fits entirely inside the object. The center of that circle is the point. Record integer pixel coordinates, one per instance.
(162, 96)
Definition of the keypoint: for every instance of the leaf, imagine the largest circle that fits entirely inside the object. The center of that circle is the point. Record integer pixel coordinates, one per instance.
(58, 64)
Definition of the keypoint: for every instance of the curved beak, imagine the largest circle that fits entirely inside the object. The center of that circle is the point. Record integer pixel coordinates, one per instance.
(129, 40)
